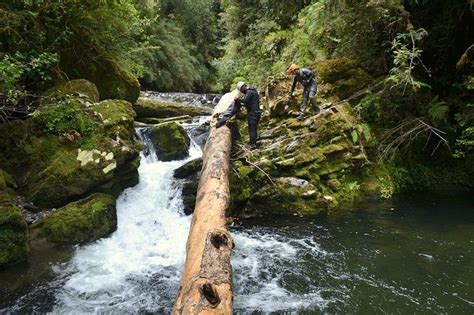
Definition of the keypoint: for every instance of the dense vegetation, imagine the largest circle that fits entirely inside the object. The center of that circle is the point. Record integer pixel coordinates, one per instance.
(409, 60)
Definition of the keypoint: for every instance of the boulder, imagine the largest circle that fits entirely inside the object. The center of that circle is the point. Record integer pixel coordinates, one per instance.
(188, 169)
(149, 108)
(82, 221)
(190, 173)
(170, 140)
(112, 80)
(71, 149)
(286, 196)
(79, 88)
(14, 245)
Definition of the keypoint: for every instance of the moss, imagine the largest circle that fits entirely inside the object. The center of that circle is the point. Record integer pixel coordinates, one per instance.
(171, 141)
(115, 112)
(79, 87)
(64, 117)
(83, 221)
(112, 80)
(189, 169)
(147, 108)
(342, 76)
(14, 246)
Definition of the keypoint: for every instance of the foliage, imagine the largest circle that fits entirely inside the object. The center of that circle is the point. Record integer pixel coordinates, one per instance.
(64, 117)
(406, 57)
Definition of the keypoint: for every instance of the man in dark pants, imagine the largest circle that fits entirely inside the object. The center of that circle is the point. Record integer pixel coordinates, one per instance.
(251, 101)
(307, 79)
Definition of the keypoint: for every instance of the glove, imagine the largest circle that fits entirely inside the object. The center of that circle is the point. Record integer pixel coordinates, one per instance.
(220, 123)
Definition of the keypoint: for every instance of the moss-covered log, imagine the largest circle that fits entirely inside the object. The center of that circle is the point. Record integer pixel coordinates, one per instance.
(206, 285)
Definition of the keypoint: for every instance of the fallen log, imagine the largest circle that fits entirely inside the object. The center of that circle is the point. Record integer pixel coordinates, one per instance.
(206, 283)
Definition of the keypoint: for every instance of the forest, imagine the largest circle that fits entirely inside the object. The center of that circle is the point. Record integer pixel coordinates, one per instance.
(94, 100)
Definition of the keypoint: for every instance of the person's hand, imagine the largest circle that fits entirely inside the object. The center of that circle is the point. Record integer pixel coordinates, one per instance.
(216, 115)
(236, 98)
(220, 123)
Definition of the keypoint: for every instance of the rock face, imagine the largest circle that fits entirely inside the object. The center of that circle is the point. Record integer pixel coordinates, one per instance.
(82, 221)
(302, 167)
(190, 173)
(71, 149)
(14, 246)
(79, 87)
(170, 140)
(147, 108)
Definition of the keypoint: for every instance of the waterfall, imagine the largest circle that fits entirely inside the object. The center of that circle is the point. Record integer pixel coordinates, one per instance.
(138, 267)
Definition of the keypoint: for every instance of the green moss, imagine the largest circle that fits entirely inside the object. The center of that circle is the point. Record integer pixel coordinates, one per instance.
(115, 112)
(83, 221)
(171, 141)
(64, 117)
(147, 108)
(14, 246)
(79, 87)
(111, 79)
(189, 169)
(342, 76)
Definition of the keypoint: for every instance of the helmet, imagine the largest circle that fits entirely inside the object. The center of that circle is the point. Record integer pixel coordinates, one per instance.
(240, 85)
(292, 68)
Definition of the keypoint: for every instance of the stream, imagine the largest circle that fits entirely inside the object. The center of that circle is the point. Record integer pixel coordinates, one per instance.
(413, 254)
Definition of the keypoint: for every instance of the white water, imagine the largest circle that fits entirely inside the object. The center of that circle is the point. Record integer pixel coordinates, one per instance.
(118, 274)
(137, 269)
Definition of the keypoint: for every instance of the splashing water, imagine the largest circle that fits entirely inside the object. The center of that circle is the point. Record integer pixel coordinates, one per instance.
(357, 262)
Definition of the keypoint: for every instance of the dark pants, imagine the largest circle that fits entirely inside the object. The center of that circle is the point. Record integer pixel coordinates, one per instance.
(253, 120)
(309, 94)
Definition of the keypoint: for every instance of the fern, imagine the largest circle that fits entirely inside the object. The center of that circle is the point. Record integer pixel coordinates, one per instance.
(437, 111)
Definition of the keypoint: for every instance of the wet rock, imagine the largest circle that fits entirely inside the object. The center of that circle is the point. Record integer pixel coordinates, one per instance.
(190, 174)
(189, 169)
(82, 221)
(170, 140)
(200, 134)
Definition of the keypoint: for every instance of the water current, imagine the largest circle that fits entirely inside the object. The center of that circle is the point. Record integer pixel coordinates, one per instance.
(410, 255)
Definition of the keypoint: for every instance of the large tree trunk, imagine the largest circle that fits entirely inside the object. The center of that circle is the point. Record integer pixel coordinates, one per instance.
(206, 284)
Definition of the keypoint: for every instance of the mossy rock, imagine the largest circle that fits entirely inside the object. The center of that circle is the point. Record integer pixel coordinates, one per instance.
(342, 76)
(277, 93)
(171, 141)
(148, 108)
(286, 196)
(82, 221)
(189, 169)
(52, 169)
(80, 87)
(112, 80)
(14, 245)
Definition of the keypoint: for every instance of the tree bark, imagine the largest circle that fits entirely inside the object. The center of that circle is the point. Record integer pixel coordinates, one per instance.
(206, 283)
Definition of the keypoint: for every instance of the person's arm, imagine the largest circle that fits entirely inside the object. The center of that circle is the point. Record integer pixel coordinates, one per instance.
(293, 86)
(232, 110)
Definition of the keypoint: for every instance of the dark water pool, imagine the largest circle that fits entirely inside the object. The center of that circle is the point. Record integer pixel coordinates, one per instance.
(414, 254)
(411, 255)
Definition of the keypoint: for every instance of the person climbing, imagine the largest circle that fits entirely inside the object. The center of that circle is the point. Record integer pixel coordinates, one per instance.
(307, 79)
(251, 101)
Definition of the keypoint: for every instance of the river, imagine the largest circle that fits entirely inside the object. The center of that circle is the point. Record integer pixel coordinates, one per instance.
(413, 254)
